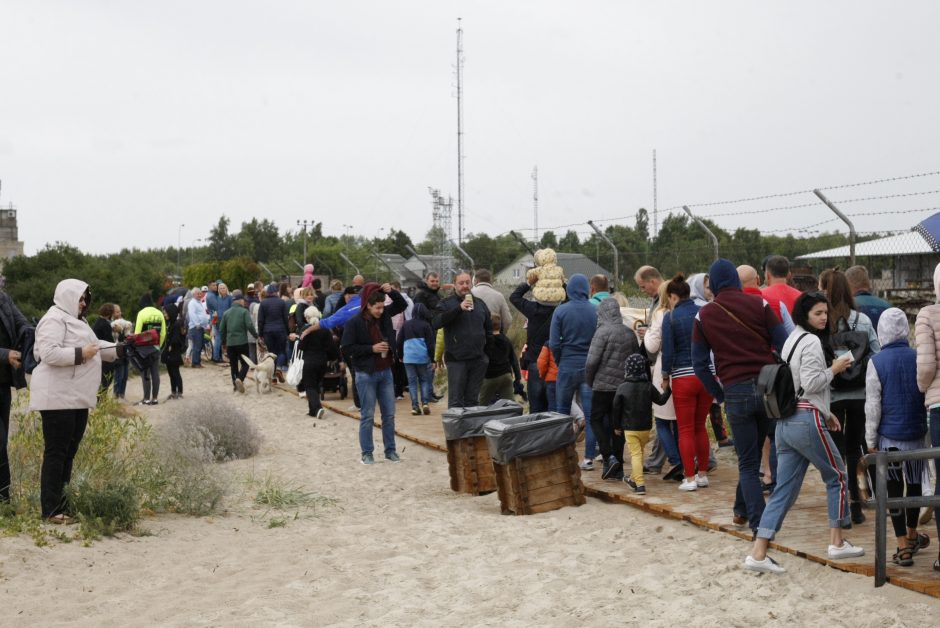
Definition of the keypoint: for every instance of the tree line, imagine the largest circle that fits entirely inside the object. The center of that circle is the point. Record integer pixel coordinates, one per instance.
(259, 247)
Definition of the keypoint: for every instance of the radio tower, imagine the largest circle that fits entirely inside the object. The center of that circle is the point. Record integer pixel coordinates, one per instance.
(441, 211)
(535, 200)
(459, 133)
(655, 207)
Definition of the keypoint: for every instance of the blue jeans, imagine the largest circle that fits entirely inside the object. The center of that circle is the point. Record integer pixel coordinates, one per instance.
(216, 344)
(120, 377)
(537, 389)
(668, 434)
(419, 374)
(378, 386)
(551, 396)
(276, 343)
(803, 439)
(567, 385)
(195, 335)
(749, 424)
(935, 442)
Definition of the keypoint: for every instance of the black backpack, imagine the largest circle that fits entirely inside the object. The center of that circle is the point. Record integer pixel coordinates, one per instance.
(775, 384)
(855, 341)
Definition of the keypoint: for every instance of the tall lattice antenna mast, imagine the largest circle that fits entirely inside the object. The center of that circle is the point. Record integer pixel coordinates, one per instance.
(535, 200)
(460, 225)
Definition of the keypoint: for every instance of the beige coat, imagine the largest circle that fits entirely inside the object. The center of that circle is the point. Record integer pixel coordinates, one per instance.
(927, 339)
(63, 381)
(495, 302)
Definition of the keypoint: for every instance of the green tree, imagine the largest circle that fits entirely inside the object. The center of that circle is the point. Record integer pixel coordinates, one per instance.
(569, 242)
(258, 240)
(549, 240)
(221, 243)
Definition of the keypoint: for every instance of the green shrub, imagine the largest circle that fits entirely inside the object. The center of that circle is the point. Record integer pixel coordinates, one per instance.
(104, 507)
(122, 468)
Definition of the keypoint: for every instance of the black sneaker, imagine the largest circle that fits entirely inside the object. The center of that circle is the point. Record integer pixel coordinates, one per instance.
(857, 515)
(629, 482)
(640, 490)
(611, 468)
(674, 473)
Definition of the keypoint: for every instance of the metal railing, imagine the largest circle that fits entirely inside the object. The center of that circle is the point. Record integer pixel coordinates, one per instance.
(883, 503)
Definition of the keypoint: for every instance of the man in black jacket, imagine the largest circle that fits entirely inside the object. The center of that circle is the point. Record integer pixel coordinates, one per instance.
(12, 325)
(369, 347)
(539, 317)
(429, 291)
(467, 332)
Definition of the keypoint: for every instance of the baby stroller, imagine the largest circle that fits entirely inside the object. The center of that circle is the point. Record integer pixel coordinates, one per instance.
(334, 380)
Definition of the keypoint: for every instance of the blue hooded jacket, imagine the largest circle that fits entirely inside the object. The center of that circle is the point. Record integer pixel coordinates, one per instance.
(573, 326)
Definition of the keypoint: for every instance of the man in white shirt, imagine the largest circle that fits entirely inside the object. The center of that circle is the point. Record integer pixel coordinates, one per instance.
(197, 317)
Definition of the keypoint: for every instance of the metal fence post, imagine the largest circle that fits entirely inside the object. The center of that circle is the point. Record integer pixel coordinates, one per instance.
(614, 249)
(464, 253)
(348, 261)
(881, 519)
(704, 228)
(845, 219)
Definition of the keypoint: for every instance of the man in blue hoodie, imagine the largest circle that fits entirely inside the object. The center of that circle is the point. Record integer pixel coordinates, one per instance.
(569, 338)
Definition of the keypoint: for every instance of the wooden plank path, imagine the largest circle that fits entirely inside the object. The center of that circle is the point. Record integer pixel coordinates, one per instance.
(804, 532)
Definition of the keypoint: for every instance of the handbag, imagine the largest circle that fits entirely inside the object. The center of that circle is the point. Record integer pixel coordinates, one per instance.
(295, 372)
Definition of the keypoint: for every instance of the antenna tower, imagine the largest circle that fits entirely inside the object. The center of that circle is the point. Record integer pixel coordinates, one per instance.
(460, 225)
(535, 200)
(441, 211)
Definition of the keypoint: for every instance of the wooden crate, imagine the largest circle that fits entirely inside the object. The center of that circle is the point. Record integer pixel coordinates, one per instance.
(471, 468)
(539, 484)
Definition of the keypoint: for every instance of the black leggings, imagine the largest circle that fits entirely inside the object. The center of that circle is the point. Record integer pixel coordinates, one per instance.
(908, 517)
(313, 375)
(851, 439)
(176, 379)
(602, 423)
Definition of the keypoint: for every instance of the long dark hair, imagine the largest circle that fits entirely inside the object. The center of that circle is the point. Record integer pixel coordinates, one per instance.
(841, 302)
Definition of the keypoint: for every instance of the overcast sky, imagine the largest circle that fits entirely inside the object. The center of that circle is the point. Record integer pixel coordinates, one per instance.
(120, 121)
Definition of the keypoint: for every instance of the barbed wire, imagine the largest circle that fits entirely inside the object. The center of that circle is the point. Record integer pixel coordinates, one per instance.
(888, 180)
(894, 212)
(887, 196)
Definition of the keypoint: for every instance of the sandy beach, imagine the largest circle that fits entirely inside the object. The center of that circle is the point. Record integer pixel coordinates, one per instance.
(399, 548)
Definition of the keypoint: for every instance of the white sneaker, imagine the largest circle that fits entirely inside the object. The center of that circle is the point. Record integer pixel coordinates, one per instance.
(768, 565)
(302, 394)
(846, 551)
(320, 413)
(701, 481)
(587, 465)
(688, 484)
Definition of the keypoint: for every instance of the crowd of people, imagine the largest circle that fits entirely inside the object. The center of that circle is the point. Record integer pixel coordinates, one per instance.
(645, 380)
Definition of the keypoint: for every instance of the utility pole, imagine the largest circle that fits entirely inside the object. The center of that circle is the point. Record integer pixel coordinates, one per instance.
(303, 223)
(535, 200)
(179, 253)
(845, 219)
(459, 132)
(655, 205)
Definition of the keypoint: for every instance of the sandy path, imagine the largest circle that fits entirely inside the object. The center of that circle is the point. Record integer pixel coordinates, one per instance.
(400, 548)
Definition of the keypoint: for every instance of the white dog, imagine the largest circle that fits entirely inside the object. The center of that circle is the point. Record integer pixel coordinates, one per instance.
(264, 372)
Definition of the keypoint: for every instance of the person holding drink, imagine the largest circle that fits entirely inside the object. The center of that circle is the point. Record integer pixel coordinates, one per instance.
(366, 346)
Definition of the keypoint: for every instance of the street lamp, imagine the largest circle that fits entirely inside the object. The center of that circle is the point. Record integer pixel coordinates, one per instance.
(179, 252)
(304, 223)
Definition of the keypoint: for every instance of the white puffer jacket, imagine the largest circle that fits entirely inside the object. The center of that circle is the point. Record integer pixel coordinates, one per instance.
(61, 381)
(927, 339)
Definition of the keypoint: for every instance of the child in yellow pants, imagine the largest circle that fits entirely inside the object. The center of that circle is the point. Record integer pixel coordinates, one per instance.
(633, 415)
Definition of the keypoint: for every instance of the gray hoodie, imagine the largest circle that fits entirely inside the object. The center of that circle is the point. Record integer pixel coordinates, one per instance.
(612, 343)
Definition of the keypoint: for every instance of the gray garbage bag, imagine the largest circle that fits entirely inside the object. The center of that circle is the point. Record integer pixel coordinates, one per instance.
(460, 423)
(528, 435)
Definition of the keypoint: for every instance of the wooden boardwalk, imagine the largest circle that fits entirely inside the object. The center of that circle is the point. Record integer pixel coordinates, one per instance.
(804, 532)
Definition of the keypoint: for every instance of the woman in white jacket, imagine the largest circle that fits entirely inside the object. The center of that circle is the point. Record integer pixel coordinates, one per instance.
(63, 387)
(803, 438)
